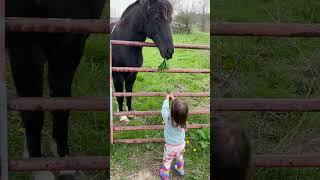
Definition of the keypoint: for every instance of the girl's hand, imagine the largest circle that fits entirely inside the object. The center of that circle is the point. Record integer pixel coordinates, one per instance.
(172, 97)
(168, 96)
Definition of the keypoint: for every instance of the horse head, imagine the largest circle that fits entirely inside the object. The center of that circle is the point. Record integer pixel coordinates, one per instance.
(158, 16)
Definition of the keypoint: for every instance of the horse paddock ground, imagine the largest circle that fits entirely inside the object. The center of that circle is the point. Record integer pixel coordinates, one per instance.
(144, 160)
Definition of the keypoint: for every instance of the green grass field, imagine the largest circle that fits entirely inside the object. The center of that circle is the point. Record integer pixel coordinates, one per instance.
(271, 68)
(144, 160)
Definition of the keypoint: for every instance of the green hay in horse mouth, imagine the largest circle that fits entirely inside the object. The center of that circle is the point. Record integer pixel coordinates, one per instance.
(163, 65)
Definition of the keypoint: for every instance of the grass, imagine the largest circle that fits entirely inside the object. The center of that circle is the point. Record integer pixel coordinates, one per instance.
(88, 131)
(126, 161)
(271, 68)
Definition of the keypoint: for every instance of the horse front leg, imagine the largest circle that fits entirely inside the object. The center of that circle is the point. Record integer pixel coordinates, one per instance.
(29, 84)
(118, 81)
(61, 70)
(62, 65)
(27, 71)
(60, 80)
(26, 60)
(129, 85)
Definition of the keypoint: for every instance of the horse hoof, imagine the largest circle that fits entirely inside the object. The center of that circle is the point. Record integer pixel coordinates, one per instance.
(42, 175)
(131, 115)
(71, 175)
(124, 119)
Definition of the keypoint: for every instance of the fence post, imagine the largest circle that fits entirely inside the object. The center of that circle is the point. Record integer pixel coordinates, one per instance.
(3, 98)
(110, 98)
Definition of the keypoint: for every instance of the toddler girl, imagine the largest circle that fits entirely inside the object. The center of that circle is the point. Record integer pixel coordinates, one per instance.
(175, 126)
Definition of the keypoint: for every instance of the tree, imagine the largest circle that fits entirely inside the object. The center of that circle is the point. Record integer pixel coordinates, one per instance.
(184, 16)
(190, 13)
(204, 8)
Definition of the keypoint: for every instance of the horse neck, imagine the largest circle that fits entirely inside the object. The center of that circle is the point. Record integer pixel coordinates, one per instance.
(131, 26)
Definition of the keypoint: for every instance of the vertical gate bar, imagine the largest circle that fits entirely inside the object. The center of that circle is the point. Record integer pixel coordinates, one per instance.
(2, 41)
(111, 108)
(3, 98)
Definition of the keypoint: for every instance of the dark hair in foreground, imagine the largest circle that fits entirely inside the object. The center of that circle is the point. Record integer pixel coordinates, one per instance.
(230, 155)
(179, 113)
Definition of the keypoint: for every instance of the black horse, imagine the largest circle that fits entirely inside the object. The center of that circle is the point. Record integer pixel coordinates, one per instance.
(142, 19)
(28, 52)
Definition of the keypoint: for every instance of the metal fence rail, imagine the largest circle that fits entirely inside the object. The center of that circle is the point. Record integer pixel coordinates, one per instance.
(57, 164)
(134, 69)
(65, 103)
(148, 44)
(285, 160)
(260, 104)
(265, 29)
(57, 25)
(223, 104)
(155, 127)
(161, 94)
(139, 141)
(153, 113)
(19, 24)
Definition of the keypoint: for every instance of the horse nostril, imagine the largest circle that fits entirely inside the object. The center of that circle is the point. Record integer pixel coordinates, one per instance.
(170, 51)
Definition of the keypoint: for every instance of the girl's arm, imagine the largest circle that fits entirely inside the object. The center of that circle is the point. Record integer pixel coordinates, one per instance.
(165, 110)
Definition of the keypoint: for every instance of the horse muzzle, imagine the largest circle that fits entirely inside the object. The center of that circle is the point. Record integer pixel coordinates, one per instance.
(167, 54)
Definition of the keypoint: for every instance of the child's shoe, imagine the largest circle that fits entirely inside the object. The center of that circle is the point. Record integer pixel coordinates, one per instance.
(164, 173)
(179, 167)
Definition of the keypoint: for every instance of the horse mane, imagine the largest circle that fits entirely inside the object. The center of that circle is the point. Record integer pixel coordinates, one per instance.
(164, 7)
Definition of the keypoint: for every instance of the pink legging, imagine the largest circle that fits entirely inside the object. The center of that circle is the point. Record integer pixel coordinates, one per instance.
(172, 152)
